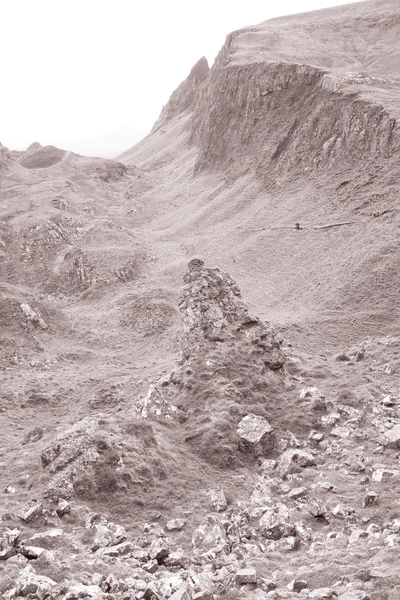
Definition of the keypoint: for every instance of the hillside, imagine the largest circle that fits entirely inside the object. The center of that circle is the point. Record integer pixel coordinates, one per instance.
(176, 429)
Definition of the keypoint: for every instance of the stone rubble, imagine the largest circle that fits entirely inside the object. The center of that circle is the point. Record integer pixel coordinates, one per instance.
(297, 511)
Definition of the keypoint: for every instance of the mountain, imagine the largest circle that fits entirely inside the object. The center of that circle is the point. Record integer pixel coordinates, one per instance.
(176, 429)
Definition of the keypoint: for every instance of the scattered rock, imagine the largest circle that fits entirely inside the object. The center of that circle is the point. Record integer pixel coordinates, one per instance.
(31, 512)
(28, 582)
(293, 459)
(276, 522)
(8, 542)
(175, 524)
(256, 435)
(217, 499)
(370, 498)
(159, 550)
(244, 576)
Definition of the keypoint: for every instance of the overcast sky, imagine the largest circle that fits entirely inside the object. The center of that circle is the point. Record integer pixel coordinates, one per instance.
(72, 70)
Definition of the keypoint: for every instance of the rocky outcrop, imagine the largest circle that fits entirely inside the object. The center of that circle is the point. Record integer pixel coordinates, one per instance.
(281, 116)
(279, 100)
(213, 311)
(184, 97)
(229, 359)
(88, 460)
(5, 156)
(40, 157)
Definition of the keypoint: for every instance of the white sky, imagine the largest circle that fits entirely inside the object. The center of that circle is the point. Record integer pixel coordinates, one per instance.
(77, 69)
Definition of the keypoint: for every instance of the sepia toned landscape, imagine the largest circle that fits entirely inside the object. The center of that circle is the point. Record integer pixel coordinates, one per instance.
(200, 339)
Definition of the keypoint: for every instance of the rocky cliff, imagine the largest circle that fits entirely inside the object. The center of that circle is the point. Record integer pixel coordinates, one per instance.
(279, 98)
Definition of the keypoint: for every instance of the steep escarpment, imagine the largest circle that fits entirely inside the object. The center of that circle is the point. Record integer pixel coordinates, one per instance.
(184, 97)
(280, 99)
(279, 117)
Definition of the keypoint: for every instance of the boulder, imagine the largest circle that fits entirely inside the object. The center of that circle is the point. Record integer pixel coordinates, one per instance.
(80, 591)
(354, 595)
(175, 524)
(243, 576)
(323, 594)
(341, 432)
(299, 492)
(256, 435)
(159, 549)
(203, 595)
(118, 550)
(32, 552)
(292, 459)
(370, 498)
(48, 539)
(217, 499)
(183, 593)
(28, 582)
(106, 534)
(313, 395)
(110, 584)
(391, 438)
(178, 558)
(33, 316)
(210, 536)
(63, 507)
(261, 495)
(32, 436)
(8, 542)
(379, 475)
(296, 585)
(340, 511)
(276, 522)
(151, 566)
(31, 512)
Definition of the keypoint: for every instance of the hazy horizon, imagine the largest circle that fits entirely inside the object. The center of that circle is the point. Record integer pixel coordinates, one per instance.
(92, 77)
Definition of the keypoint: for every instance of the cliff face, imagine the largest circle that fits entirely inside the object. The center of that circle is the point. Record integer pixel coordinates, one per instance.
(184, 97)
(281, 117)
(289, 95)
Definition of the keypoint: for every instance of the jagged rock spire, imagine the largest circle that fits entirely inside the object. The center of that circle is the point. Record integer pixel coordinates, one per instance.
(229, 360)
